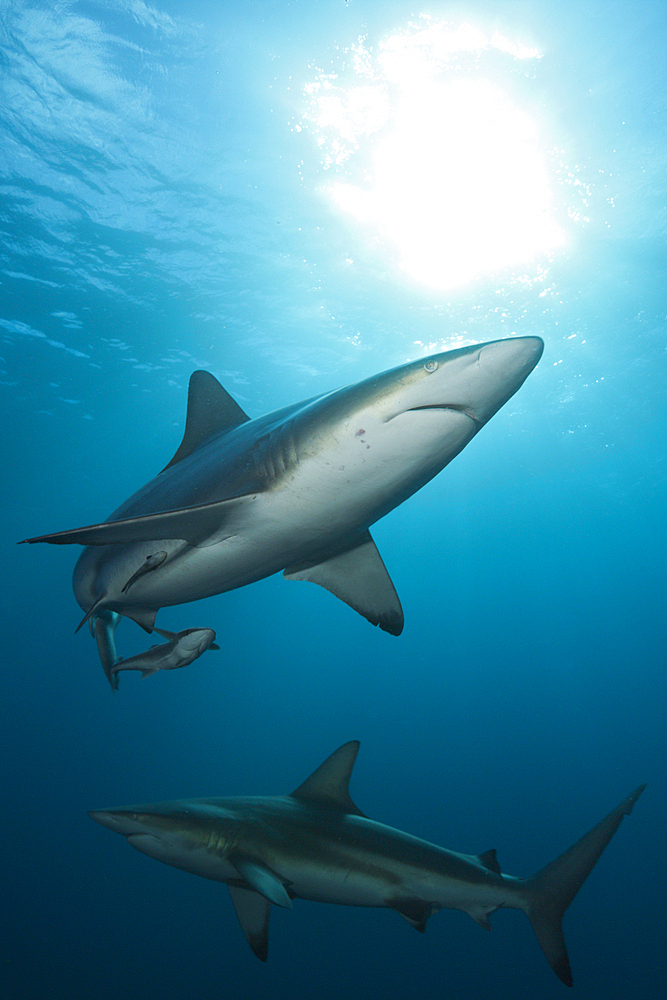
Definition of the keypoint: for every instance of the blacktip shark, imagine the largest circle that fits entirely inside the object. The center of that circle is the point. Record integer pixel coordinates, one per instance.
(316, 844)
(295, 490)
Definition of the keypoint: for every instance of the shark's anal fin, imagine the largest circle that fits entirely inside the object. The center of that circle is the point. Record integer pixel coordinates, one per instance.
(329, 784)
(253, 912)
(260, 878)
(211, 410)
(359, 577)
(415, 911)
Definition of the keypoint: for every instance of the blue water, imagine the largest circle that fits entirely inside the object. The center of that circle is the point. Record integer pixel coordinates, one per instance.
(161, 212)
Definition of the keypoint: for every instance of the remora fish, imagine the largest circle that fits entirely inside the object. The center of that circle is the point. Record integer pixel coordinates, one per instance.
(181, 650)
(316, 844)
(295, 490)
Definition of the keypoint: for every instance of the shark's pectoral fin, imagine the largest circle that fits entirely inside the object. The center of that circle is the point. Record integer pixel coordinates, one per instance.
(260, 878)
(415, 911)
(200, 525)
(359, 577)
(253, 912)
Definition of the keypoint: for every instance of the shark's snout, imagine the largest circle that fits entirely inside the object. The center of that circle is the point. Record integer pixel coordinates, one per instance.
(501, 368)
(120, 821)
(518, 355)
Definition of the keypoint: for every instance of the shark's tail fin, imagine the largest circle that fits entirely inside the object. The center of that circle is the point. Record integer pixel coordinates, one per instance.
(548, 894)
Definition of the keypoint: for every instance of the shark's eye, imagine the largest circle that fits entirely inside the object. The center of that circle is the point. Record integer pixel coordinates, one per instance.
(431, 366)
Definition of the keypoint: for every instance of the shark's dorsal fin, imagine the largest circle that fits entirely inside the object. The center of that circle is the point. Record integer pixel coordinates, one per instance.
(211, 410)
(490, 861)
(328, 785)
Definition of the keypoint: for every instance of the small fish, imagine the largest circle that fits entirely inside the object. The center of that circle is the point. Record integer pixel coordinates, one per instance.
(181, 649)
(151, 562)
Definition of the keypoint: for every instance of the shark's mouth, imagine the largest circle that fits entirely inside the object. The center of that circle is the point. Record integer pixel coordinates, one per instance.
(458, 407)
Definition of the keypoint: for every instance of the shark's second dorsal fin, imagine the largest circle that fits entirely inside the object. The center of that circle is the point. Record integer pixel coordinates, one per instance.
(490, 861)
(328, 785)
(211, 410)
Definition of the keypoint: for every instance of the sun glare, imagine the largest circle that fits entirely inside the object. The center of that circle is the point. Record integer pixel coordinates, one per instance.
(457, 180)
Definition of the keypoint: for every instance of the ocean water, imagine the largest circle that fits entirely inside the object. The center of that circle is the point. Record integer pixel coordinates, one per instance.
(209, 185)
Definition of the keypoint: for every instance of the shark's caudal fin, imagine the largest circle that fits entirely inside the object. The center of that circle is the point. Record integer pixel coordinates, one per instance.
(548, 894)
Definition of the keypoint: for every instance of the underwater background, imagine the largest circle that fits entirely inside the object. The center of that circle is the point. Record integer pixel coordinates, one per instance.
(208, 185)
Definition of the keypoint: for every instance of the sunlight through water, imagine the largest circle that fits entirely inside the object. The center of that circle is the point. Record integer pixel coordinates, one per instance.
(432, 157)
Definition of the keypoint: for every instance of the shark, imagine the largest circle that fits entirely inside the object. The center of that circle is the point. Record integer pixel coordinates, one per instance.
(295, 490)
(315, 844)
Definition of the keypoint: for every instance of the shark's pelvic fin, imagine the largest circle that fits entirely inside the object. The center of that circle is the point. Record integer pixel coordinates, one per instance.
(549, 893)
(144, 617)
(359, 577)
(253, 912)
(191, 524)
(261, 879)
(329, 784)
(211, 410)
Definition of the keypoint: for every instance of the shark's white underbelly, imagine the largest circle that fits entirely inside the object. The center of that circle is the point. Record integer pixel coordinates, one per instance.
(312, 513)
(357, 887)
